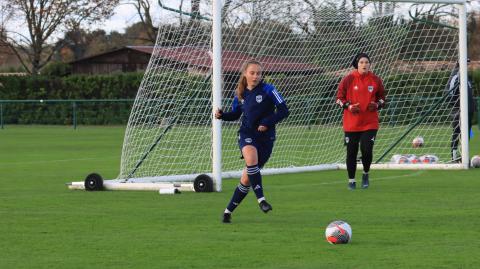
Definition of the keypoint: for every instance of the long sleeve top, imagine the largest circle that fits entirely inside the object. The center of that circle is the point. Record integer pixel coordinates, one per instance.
(263, 105)
(361, 89)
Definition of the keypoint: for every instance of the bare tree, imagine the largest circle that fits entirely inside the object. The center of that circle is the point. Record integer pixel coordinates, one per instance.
(5, 16)
(144, 12)
(44, 20)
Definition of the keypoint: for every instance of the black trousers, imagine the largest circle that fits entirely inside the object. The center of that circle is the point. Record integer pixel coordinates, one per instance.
(365, 140)
(456, 128)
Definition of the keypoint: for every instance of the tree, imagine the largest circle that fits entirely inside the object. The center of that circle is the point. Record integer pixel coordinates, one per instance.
(144, 12)
(76, 41)
(44, 20)
(80, 43)
(137, 34)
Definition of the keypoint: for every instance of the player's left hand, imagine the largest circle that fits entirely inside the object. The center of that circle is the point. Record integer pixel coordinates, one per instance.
(262, 128)
(372, 107)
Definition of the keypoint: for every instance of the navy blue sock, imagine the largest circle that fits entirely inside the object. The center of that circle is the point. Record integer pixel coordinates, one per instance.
(240, 192)
(255, 178)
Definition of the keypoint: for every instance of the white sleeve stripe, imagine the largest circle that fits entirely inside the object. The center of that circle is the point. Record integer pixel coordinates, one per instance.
(279, 99)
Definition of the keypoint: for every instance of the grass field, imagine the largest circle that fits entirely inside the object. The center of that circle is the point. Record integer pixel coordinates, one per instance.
(407, 219)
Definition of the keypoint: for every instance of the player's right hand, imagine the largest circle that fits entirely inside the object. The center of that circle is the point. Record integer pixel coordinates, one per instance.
(354, 108)
(218, 114)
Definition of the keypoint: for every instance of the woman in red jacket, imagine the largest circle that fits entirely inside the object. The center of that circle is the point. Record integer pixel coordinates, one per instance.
(361, 95)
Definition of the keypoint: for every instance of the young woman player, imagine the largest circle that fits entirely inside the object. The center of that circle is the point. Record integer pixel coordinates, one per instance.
(262, 107)
(360, 95)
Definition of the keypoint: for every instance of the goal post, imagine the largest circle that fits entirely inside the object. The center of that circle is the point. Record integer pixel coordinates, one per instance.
(463, 72)
(217, 94)
(462, 16)
(306, 47)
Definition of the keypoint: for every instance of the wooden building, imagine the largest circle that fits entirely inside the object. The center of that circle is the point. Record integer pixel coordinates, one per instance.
(187, 59)
(126, 59)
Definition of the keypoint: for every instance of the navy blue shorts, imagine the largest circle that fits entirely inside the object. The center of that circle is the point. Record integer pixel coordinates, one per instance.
(264, 146)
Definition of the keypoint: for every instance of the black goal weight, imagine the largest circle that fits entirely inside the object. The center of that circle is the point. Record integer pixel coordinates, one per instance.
(94, 182)
(203, 183)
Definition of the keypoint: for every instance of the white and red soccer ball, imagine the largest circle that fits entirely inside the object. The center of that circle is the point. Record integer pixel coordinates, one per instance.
(413, 159)
(338, 232)
(428, 159)
(475, 161)
(399, 159)
(418, 142)
(405, 159)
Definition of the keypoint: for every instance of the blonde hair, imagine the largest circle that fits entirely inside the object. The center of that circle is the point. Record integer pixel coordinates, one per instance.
(242, 81)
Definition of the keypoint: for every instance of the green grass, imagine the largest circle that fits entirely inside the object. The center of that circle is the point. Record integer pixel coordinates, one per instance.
(407, 219)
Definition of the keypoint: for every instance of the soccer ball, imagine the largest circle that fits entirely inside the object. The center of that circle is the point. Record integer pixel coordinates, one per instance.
(427, 159)
(475, 162)
(338, 232)
(399, 159)
(412, 158)
(403, 160)
(395, 158)
(417, 142)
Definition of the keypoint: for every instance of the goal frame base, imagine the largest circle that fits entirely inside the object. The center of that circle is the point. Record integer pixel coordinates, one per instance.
(186, 184)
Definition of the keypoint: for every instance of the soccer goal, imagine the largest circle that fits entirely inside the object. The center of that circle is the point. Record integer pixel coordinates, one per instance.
(306, 47)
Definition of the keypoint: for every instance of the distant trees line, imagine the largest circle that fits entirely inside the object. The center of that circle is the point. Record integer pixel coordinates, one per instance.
(58, 30)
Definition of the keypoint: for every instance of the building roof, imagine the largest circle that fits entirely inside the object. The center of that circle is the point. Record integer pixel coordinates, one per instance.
(231, 60)
(110, 52)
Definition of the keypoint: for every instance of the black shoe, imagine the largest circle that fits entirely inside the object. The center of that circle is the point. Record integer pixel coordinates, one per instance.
(352, 185)
(227, 218)
(264, 206)
(365, 182)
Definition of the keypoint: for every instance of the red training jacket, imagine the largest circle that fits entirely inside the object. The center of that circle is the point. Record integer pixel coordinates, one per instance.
(362, 89)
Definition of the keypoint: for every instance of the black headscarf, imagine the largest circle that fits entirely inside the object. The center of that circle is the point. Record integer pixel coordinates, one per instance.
(358, 57)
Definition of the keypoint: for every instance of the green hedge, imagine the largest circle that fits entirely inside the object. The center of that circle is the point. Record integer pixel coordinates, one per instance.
(119, 86)
(302, 94)
(100, 87)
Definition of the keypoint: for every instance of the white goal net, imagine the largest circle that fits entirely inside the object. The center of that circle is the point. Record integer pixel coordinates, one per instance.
(306, 47)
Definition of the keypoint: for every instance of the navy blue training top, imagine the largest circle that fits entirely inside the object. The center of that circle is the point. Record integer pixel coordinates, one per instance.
(258, 108)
